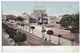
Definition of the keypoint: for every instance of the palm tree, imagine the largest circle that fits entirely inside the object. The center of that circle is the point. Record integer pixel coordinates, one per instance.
(32, 27)
(72, 40)
(59, 39)
(50, 32)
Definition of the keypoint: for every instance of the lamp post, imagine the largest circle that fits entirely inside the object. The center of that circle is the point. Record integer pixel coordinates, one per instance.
(29, 27)
(50, 32)
(32, 27)
(44, 22)
(72, 40)
(43, 33)
(59, 39)
(22, 26)
(26, 27)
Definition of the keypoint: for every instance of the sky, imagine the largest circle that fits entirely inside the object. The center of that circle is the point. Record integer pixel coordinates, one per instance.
(52, 8)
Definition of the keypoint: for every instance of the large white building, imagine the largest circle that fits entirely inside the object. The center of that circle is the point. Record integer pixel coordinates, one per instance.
(38, 14)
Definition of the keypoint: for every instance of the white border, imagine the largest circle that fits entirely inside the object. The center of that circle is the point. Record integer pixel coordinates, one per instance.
(44, 0)
(38, 48)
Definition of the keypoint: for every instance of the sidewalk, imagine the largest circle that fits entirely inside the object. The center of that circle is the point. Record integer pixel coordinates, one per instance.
(37, 32)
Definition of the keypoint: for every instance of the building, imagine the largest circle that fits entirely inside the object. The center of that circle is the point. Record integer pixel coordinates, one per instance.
(39, 15)
(52, 20)
(39, 12)
(33, 15)
(25, 16)
(4, 17)
(10, 16)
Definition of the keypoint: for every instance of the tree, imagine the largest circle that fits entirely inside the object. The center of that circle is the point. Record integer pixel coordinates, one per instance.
(66, 21)
(40, 23)
(15, 19)
(7, 19)
(11, 32)
(32, 27)
(4, 26)
(50, 32)
(59, 39)
(75, 24)
(7, 30)
(46, 22)
(45, 15)
(19, 38)
(70, 22)
(19, 18)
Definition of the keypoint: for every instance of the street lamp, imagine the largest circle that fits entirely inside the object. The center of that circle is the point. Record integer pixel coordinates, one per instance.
(50, 32)
(72, 40)
(32, 27)
(22, 26)
(43, 33)
(29, 27)
(59, 39)
(43, 22)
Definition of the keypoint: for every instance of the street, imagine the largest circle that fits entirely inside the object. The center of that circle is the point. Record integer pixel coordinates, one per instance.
(33, 40)
(65, 40)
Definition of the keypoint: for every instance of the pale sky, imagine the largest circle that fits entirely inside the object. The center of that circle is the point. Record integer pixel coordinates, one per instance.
(52, 8)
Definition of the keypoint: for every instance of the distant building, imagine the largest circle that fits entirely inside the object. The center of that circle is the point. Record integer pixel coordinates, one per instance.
(39, 14)
(32, 18)
(4, 17)
(59, 17)
(52, 20)
(25, 16)
(33, 15)
(8, 17)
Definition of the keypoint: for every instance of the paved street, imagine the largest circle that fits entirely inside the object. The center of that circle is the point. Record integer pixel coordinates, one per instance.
(65, 34)
(33, 40)
(37, 39)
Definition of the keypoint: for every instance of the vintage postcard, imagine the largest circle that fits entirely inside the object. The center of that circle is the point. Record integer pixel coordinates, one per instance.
(38, 23)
